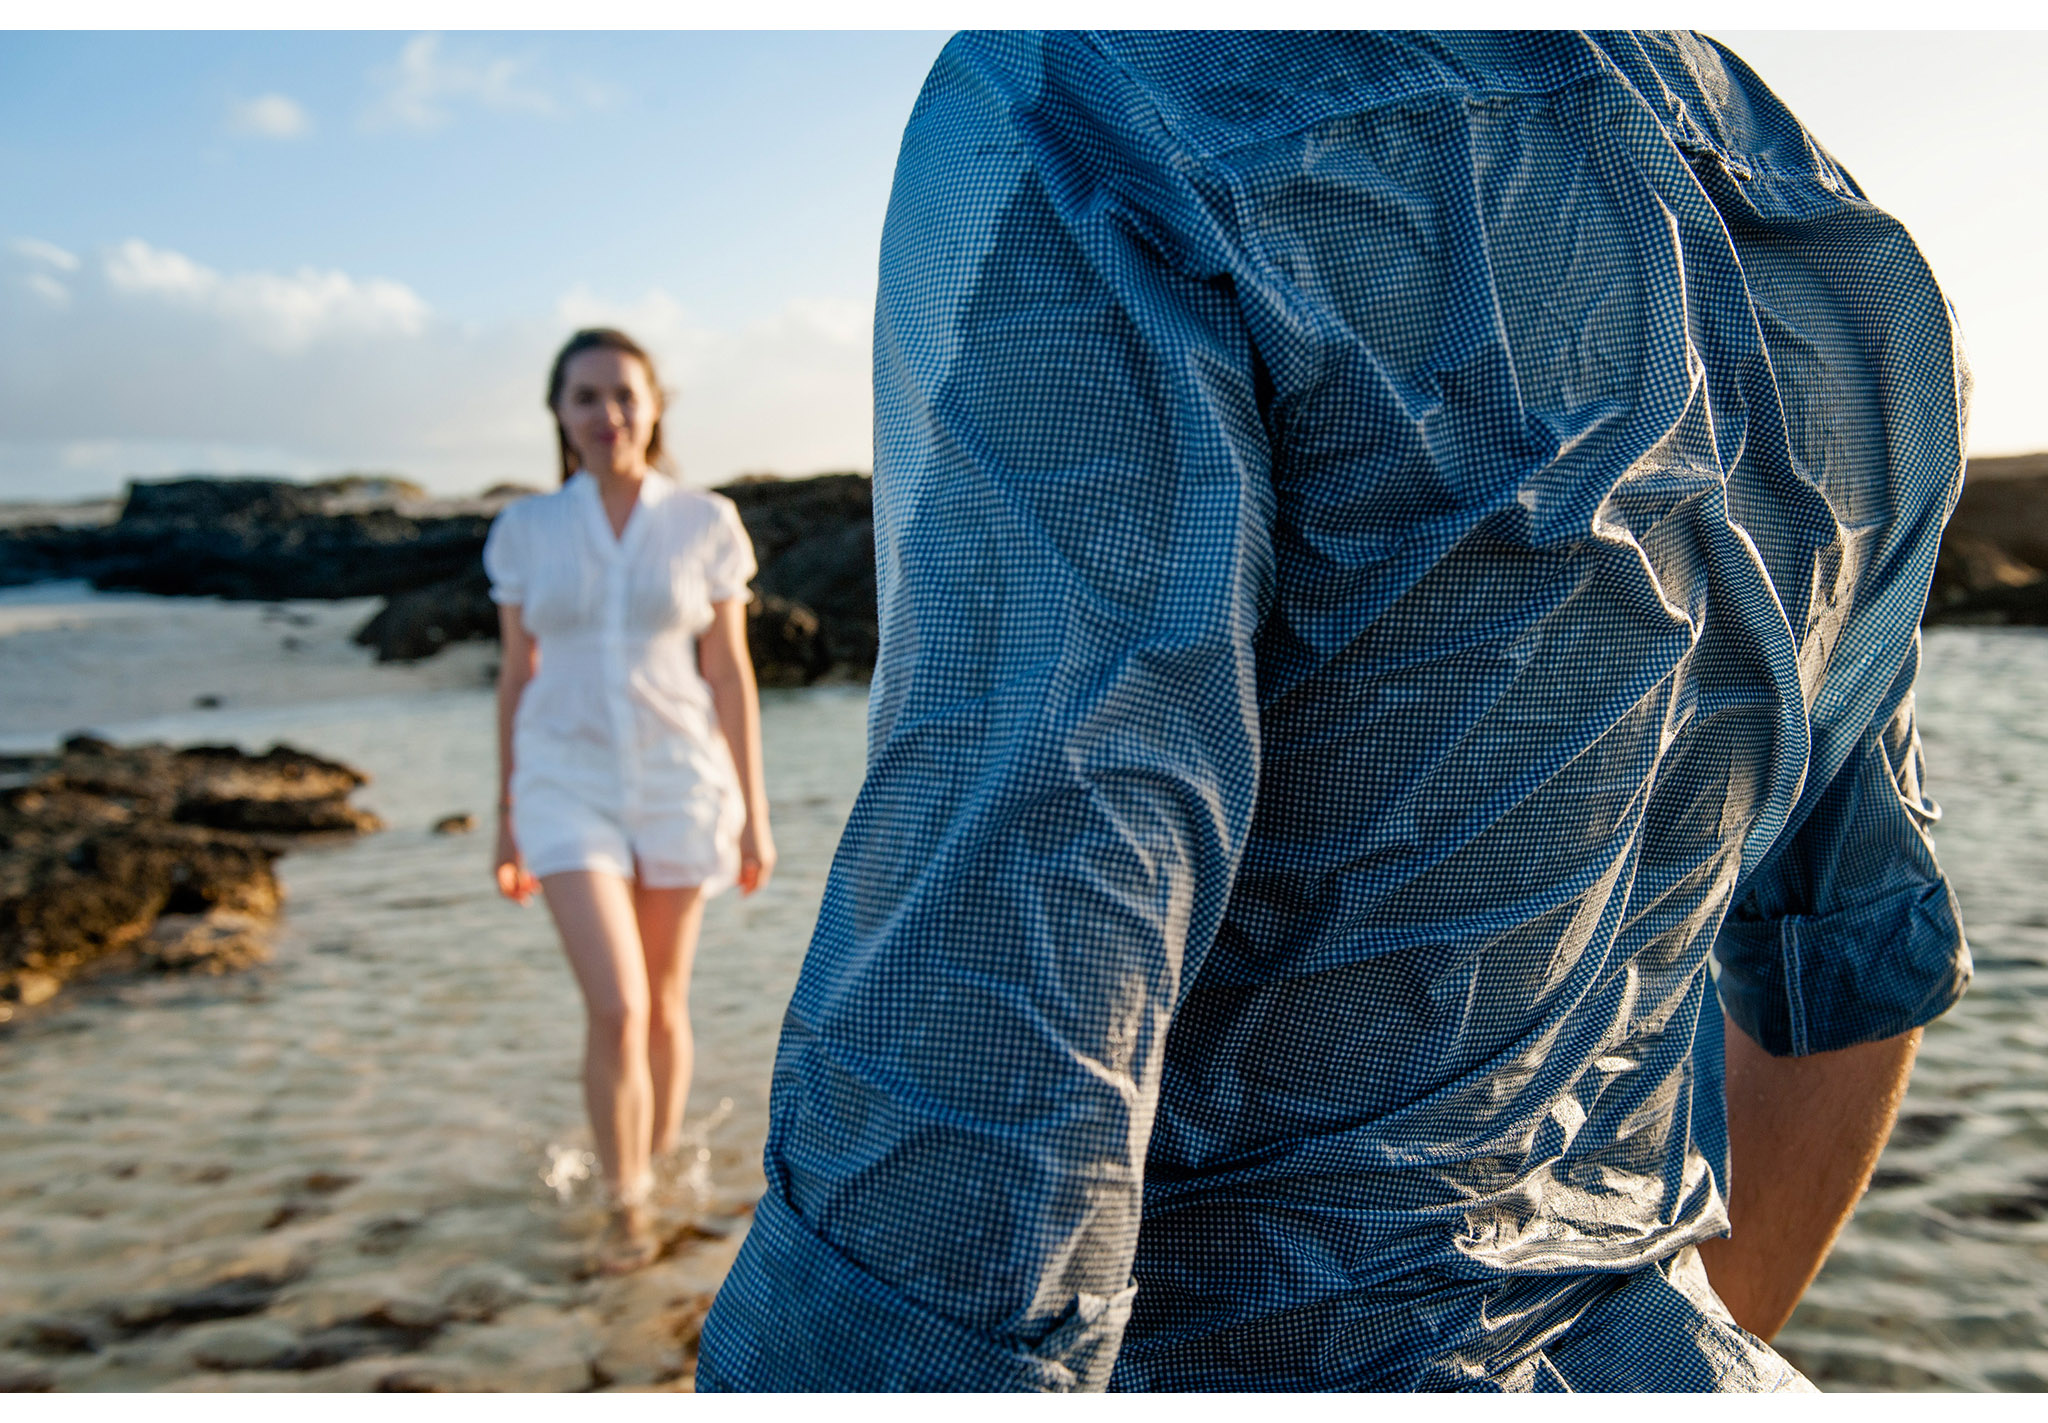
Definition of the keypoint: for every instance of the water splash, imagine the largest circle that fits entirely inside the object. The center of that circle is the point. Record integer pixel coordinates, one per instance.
(682, 1178)
(568, 1168)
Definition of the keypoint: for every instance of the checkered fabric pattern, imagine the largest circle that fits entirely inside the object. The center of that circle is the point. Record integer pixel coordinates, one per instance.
(1399, 554)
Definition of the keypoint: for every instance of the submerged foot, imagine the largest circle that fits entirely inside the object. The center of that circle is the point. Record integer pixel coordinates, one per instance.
(629, 1242)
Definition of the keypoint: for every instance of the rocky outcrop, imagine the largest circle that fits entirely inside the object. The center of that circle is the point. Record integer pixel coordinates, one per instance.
(163, 854)
(815, 542)
(813, 613)
(267, 539)
(1994, 554)
(420, 622)
(261, 539)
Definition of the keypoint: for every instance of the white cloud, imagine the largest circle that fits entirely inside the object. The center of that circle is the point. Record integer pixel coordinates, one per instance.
(40, 256)
(281, 313)
(160, 363)
(269, 116)
(847, 323)
(48, 288)
(135, 266)
(789, 393)
(676, 340)
(423, 87)
(49, 254)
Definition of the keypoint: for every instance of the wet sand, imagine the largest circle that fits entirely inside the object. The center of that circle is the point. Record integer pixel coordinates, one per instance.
(363, 1165)
(332, 1172)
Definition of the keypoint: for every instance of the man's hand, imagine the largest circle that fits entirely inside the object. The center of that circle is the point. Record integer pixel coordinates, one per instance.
(1803, 1136)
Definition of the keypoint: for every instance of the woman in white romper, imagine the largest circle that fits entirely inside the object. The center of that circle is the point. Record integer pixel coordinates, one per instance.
(629, 745)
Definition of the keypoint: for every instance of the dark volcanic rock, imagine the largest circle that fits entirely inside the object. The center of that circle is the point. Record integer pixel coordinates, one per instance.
(260, 539)
(1994, 554)
(271, 539)
(421, 621)
(815, 542)
(814, 607)
(168, 853)
(784, 644)
(198, 500)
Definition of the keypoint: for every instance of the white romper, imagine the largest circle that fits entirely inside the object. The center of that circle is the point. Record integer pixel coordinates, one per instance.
(618, 763)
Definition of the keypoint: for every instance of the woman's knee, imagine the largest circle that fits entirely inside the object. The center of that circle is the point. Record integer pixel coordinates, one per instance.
(669, 1014)
(619, 1022)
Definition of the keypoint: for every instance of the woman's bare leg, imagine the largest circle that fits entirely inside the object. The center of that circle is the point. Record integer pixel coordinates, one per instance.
(669, 919)
(594, 914)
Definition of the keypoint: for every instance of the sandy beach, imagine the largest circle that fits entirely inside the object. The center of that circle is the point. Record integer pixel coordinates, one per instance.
(361, 1165)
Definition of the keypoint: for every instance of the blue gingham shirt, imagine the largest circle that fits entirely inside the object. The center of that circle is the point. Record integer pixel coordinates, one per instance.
(1400, 558)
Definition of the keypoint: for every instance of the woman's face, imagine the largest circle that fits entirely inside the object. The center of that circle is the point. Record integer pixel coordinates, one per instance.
(609, 407)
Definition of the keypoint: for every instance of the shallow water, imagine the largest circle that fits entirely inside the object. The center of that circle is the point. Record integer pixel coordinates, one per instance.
(1941, 1279)
(364, 1126)
(368, 1119)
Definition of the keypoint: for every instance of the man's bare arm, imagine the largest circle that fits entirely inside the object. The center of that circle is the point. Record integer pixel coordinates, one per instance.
(1803, 1136)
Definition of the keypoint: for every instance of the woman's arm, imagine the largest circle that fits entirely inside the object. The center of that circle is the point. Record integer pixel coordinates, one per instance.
(723, 660)
(521, 657)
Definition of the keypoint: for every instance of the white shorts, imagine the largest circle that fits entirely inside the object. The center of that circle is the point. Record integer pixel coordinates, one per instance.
(691, 842)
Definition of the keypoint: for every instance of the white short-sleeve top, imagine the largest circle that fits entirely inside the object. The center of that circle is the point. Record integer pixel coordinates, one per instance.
(617, 715)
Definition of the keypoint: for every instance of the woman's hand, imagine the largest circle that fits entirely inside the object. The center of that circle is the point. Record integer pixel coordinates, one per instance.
(757, 854)
(513, 880)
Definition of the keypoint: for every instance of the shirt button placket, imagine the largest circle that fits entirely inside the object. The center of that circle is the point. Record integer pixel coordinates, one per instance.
(618, 691)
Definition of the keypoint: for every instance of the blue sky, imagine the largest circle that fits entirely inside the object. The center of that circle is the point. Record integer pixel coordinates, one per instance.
(311, 252)
(480, 169)
(392, 231)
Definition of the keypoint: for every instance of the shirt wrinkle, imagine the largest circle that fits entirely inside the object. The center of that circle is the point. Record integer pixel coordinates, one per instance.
(1402, 533)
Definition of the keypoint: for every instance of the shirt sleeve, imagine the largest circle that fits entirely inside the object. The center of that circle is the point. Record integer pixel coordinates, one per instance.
(729, 565)
(1849, 932)
(505, 558)
(1073, 505)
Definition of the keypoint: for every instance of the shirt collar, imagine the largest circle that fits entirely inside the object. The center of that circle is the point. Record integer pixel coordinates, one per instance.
(656, 488)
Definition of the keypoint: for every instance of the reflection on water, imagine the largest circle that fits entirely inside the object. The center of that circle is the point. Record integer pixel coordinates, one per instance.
(567, 1168)
(242, 1182)
(365, 1164)
(1941, 1279)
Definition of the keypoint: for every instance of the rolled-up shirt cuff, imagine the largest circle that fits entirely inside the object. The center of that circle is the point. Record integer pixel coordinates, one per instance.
(1803, 984)
(795, 1315)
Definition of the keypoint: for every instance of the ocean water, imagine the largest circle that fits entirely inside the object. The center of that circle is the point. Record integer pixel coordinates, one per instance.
(388, 1117)
(1940, 1280)
(416, 1040)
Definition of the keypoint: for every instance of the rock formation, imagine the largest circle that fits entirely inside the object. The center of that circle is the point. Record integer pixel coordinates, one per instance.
(262, 539)
(162, 854)
(813, 616)
(1994, 554)
(813, 613)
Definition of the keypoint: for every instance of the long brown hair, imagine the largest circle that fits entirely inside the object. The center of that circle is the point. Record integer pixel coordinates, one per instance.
(601, 338)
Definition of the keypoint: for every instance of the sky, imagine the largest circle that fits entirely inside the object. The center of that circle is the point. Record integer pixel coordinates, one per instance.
(310, 253)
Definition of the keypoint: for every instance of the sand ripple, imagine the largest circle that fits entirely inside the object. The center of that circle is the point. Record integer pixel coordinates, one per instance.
(332, 1172)
(357, 1167)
